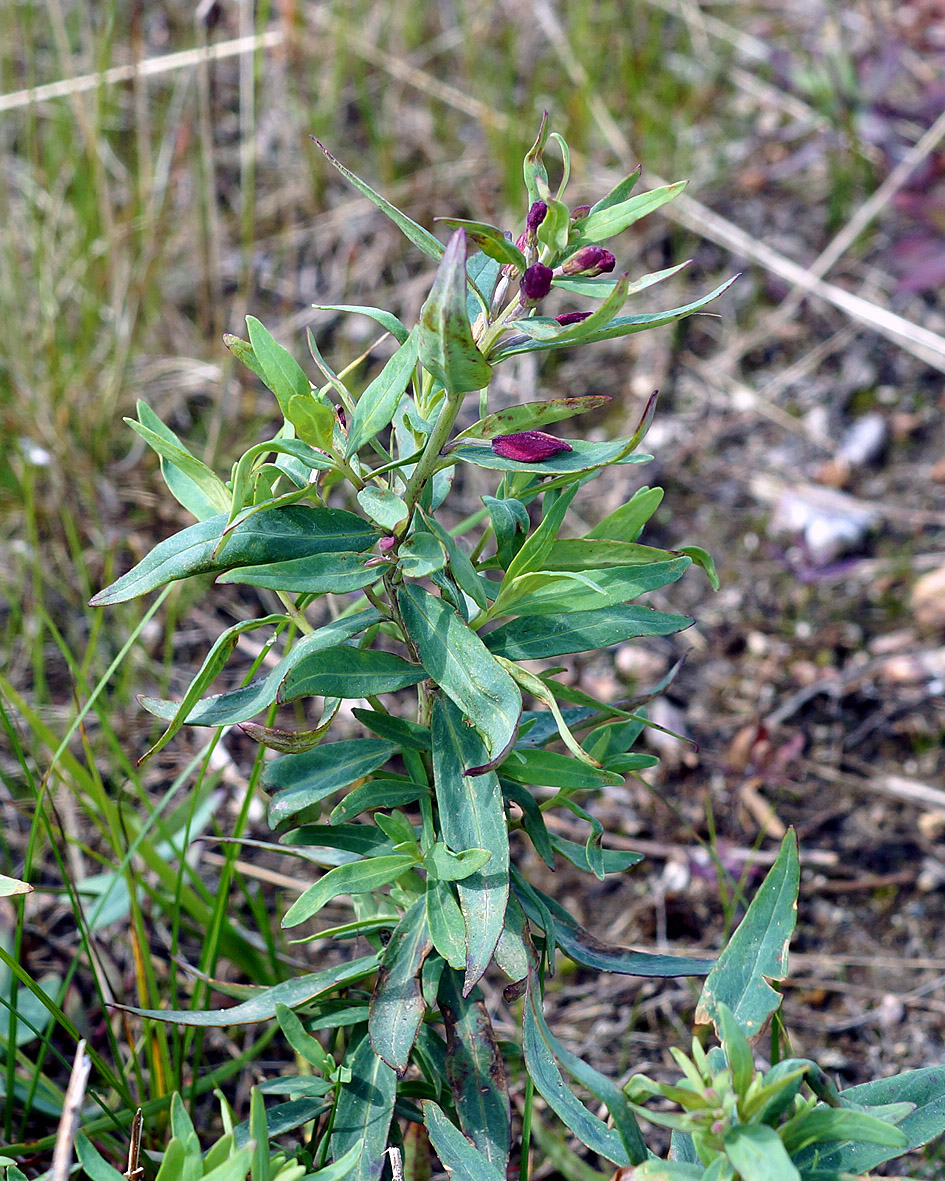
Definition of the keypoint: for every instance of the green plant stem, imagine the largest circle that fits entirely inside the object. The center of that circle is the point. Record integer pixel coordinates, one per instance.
(527, 1103)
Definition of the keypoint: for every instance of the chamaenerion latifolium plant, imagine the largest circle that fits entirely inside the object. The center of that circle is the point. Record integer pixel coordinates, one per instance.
(344, 516)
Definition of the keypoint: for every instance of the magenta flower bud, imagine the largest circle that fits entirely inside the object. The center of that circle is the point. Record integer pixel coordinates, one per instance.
(528, 446)
(386, 544)
(580, 211)
(536, 282)
(589, 261)
(572, 317)
(536, 215)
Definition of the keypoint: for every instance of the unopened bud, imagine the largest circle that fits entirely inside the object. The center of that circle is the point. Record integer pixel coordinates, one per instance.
(572, 317)
(536, 282)
(536, 215)
(528, 446)
(589, 261)
(580, 211)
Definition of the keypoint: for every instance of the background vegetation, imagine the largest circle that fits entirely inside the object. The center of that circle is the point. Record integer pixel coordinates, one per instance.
(157, 182)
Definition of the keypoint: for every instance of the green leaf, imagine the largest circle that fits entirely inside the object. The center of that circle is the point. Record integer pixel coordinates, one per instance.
(533, 821)
(444, 338)
(271, 535)
(476, 1073)
(548, 768)
(534, 638)
(555, 228)
(421, 554)
(348, 672)
(191, 482)
(584, 553)
(736, 1048)
(364, 1111)
(363, 839)
(617, 195)
(582, 947)
(445, 920)
(756, 1151)
(224, 709)
(95, 1165)
(925, 1088)
(472, 817)
(533, 166)
(309, 1048)
(703, 558)
(758, 951)
(302, 780)
(280, 370)
(377, 793)
(581, 458)
(462, 1161)
(356, 877)
(839, 1123)
(378, 403)
(458, 661)
(459, 563)
(612, 219)
(626, 522)
(387, 320)
(384, 507)
(532, 414)
(397, 1006)
(318, 574)
(490, 240)
(540, 1063)
(11, 886)
(547, 594)
(409, 735)
(620, 326)
(294, 742)
(601, 288)
(420, 237)
(314, 421)
(612, 860)
(535, 548)
(243, 351)
(262, 1006)
(444, 866)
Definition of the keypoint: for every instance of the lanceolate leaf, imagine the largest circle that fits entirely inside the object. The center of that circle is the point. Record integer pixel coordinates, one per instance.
(364, 1111)
(758, 951)
(581, 458)
(271, 535)
(280, 370)
(584, 553)
(490, 240)
(546, 594)
(376, 793)
(356, 877)
(417, 234)
(532, 414)
(533, 638)
(444, 338)
(378, 403)
(472, 817)
(459, 662)
(319, 574)
(239, 705)
(397, 1006)
(386, 319)
(262, 1006)
(582, 947)
(619, 326)
(541, 1065)
(183, 473)
(476, 1073)
(925, 1088)
(304, 779)
(462, 1161)
(445, 920)
(349, 672)
(548, 768)
(625, 523)
(603, 223)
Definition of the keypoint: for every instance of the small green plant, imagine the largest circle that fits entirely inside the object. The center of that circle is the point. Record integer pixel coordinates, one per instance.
(345, 515)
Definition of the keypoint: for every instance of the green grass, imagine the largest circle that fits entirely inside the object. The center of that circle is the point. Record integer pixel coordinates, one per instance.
(140, 220)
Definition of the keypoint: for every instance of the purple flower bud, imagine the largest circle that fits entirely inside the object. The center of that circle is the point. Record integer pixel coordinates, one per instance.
(528, 446)
(536, 215)
(589, 261)
(580, 211)
(536, 282)
(572, 317)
